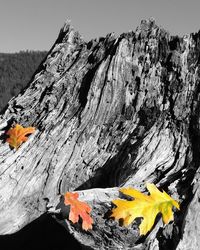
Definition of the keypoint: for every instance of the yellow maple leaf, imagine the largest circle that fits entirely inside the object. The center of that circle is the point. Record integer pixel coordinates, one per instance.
(145, 206)
(18, 135)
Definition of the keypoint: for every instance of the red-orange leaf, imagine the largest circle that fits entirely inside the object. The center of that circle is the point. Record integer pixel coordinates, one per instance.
(78, 208)
(18, 135)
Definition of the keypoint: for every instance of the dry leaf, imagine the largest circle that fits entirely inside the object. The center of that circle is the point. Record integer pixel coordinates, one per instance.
(18, 135)
(78, 208)
(145, 206)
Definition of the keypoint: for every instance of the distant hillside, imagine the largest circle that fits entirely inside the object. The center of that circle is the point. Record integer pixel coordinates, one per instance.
(16, 70)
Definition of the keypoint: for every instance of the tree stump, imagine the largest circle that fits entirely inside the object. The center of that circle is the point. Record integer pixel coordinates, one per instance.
(112, 112)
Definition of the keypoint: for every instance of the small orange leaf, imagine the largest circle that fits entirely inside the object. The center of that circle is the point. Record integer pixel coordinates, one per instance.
(17, 135)
(78, 208)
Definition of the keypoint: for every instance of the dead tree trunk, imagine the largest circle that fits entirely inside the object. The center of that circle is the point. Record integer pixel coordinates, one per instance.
(109, 113)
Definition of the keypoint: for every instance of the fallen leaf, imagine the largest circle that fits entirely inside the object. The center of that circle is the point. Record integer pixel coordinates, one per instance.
(145, 206)
(78, 208)
(18, 135)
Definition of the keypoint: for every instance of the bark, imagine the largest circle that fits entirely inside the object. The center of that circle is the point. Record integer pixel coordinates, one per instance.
(112, 112)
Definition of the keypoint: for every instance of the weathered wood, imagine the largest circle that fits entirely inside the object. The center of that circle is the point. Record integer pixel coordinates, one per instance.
(113, 112)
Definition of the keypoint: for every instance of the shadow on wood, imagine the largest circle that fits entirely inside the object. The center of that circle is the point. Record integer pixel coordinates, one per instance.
(43, 233)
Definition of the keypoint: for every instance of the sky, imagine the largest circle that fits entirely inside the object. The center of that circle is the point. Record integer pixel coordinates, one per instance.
(35, 24)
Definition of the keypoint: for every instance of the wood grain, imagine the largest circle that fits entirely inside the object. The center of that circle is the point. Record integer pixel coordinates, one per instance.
(112, 112)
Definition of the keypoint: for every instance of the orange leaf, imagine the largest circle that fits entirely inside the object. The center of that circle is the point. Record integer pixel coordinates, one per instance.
(17, 135)
(78, 208)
